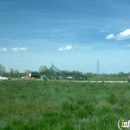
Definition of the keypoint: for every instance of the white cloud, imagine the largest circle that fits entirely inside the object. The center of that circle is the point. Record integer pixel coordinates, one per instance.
(3, 49)
(110, 36)
(121, 36)
(68, 47)
(16, 49)
(23, 49)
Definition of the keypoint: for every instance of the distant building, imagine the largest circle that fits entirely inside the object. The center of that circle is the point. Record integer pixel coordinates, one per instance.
(33, 74)
(54, 69)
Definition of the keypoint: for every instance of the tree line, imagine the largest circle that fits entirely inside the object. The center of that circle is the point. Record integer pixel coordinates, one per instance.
(49, 73)
(13, 73)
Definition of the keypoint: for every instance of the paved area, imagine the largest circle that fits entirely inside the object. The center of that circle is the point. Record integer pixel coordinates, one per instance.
(72, 81)
(103, 81)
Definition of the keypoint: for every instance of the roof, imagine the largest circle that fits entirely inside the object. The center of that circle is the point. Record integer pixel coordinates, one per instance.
(34, 72)
(53, 68)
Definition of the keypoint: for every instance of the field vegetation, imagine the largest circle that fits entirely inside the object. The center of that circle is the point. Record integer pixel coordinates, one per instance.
(40, 105)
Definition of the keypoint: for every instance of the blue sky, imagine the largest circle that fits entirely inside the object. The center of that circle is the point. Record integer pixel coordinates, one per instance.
(73, 34)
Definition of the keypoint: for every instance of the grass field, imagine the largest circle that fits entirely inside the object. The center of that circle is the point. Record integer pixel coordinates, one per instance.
(40, 105)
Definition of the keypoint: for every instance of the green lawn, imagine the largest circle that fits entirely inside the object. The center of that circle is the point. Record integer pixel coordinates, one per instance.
(40, 105)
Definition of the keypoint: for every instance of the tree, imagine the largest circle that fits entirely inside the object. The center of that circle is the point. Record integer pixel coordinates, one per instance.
(16, 73)
(42, 69)
(2, 69)
(90, 75)
(11, 72)
(122, 74)
(77, 74)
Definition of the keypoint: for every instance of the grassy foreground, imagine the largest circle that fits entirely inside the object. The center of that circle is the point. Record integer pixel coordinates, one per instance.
(39, 105)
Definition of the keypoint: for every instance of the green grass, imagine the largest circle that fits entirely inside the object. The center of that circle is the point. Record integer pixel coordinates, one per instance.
(39, 105)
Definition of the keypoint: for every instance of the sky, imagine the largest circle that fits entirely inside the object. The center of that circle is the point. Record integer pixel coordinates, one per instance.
(71, 34)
